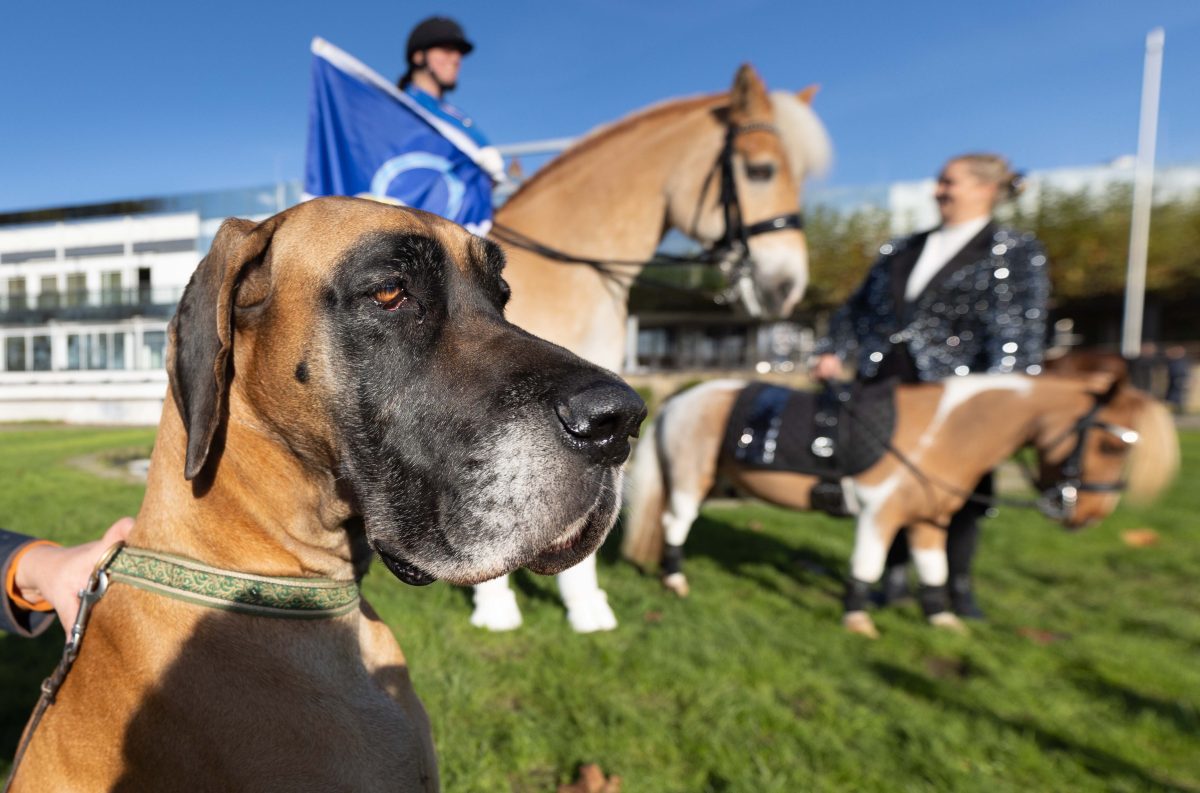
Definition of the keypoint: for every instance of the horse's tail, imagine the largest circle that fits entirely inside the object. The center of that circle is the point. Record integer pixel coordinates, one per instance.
(1154, 460)
(645, 500)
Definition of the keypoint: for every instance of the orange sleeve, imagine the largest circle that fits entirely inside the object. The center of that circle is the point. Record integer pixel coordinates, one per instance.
(10, 583)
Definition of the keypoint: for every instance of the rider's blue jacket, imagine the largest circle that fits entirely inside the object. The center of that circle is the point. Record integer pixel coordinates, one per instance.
(448, 112)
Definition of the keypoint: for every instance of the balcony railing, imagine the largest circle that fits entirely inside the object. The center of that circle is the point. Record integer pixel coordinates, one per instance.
(90, 305)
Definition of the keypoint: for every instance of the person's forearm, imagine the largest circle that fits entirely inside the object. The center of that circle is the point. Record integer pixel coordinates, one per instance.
(32, 568)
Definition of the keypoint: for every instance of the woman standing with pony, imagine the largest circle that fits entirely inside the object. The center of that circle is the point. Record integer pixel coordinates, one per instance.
(965, 297)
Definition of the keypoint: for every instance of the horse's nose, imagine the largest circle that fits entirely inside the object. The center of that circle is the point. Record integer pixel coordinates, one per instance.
(599, 418)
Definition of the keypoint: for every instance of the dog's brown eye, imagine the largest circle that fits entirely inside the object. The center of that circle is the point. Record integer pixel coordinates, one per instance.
(389, 295)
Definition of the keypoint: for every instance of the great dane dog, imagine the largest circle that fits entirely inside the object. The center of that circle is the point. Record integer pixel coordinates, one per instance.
(342, 381)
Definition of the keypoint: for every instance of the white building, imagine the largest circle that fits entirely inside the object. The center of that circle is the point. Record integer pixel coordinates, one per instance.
(85, 296)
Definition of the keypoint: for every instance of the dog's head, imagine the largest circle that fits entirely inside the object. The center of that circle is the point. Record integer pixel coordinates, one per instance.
(371, 341)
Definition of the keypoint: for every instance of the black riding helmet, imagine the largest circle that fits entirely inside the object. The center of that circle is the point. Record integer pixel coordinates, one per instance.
(437, 32)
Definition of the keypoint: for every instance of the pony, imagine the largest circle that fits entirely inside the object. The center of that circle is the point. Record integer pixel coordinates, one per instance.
(726, 170)
(1087, 431)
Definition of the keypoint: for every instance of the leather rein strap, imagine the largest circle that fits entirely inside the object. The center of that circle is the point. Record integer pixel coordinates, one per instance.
(731, 252)
(180, 578)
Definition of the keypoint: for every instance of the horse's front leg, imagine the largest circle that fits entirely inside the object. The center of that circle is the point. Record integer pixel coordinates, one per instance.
(928, 543)
(496, 606)
(681, 513)
(872, 538)
(587, 604)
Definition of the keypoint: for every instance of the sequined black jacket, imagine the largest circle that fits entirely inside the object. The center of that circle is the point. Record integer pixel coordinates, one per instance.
(984, 311)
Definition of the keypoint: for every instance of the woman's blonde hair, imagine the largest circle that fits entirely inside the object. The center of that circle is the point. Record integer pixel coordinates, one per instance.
(993, 169)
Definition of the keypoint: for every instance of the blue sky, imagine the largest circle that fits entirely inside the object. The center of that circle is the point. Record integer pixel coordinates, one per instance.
(131, 99)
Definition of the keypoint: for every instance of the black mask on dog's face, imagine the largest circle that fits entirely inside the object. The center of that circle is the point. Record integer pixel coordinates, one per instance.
(451, 419)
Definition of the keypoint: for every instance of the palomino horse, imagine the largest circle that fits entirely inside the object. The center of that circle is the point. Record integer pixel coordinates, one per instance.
(726, 170)
(1085, 429)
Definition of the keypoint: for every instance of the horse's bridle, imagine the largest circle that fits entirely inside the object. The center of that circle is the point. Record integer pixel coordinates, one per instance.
(730, 254)
(1059, 501)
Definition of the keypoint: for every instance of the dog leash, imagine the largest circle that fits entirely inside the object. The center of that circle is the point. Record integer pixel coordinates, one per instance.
(194, 582)
(96, 586)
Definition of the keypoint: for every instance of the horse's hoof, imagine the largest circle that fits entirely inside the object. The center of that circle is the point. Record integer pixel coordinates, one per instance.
(677, 583)
(591, 614)
(948, 620)
(497, 611)
(860, 622)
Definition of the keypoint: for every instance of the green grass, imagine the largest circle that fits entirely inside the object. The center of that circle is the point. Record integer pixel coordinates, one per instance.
(1085, 678)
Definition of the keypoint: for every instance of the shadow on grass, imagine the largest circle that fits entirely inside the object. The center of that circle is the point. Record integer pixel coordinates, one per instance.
(1157, 630)
(745, 553)
(24, 664)
(1097, 761)
(1091, 682)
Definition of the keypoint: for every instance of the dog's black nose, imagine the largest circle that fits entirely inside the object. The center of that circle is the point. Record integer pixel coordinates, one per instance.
(600, 417)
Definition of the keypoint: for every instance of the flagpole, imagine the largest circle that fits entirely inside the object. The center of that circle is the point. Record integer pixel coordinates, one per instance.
(1143, 193)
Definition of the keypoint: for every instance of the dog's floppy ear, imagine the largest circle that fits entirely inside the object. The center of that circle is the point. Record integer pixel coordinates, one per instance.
(201, 333)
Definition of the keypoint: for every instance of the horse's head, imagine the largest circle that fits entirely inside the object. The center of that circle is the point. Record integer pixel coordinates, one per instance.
(1124, 441)
(738, 190)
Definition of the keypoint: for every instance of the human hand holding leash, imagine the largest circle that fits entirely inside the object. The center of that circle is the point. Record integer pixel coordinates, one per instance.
(55, 575)
(826, 367)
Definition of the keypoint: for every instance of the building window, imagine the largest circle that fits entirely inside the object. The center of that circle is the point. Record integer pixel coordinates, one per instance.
(98, 354)
(20, 257)
(41, 353)
(48, 294)
(76, 289)
(16, 294)
(117, 359)
(165, 246)
(144, 293)
(14, 353)
(75, 351)
(154, 345)
(110, 288)
(95, 250)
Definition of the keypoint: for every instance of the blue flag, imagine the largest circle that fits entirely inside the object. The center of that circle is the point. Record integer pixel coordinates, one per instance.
(367, 137)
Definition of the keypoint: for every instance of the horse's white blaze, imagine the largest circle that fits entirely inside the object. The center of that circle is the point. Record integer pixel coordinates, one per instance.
(870, 549)
(931, 566)
(781, 262)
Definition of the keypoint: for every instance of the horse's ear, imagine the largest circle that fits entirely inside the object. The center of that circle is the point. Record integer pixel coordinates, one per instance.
(806, 95)
(748, 100)
(201, 333)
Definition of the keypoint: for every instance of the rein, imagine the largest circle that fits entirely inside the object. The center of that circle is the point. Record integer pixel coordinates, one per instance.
(1056, 502)
(731, 253)
(180, 578)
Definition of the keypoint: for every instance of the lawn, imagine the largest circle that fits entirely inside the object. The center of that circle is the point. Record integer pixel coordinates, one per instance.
(1085, 678)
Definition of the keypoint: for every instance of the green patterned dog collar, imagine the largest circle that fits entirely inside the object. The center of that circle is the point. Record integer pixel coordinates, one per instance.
(194, 582)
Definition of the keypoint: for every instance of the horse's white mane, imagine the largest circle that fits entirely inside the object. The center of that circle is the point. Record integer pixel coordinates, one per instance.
(804, 135)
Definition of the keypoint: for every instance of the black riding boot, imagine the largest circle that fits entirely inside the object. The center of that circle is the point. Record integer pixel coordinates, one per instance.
(961, 542)
(895, 573)
(932, 599)
(962, 599)
(857, 595)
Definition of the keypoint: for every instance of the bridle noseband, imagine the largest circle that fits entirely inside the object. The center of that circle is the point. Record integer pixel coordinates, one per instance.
(1060, 500)
(731, 253)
